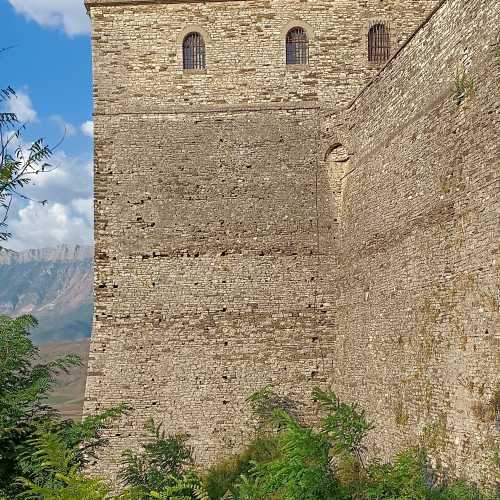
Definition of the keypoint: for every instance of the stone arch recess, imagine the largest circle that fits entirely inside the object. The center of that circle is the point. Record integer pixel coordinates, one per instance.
(337, 162)
(297, 23)
(192, 28)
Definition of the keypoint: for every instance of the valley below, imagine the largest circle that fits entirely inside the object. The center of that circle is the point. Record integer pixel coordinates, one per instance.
(55, 286)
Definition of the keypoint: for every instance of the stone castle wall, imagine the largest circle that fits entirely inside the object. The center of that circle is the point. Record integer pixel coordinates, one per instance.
(230, 255)
(416, 337)
(137, 50)
(207, 271)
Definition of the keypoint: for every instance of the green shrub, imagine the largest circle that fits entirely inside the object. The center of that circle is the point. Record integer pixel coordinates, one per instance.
(162, 466)
(301, 470)
(189, 486)
(462, 490)
(403, 479)
(328, 463)
(57, 468)
(222, 477)
(344, 423)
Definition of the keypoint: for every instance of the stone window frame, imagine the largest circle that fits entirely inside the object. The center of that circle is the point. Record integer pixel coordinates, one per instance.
(187, 30)
(297, 23)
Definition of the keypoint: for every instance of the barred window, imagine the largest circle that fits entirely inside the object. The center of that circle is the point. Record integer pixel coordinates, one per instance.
(193, 52)
(378, 43)
(297, 46)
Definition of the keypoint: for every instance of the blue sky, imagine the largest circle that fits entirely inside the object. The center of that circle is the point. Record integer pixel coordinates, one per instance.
(50, 69)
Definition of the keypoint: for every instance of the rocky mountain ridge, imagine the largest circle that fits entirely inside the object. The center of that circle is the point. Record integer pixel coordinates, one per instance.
(58, 253)
(53, 284)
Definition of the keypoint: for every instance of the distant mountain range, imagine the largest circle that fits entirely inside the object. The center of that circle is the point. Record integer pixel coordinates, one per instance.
(52, 284)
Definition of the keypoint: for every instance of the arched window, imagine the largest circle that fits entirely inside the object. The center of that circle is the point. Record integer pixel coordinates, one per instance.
(297, 46)
(193, 52)
(378, 43)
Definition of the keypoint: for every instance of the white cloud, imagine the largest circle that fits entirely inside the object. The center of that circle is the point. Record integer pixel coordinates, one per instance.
(66, 179)
(84, 207)
(67, 129)
(69, 15)
(68, 215)
(38, 226)
(21, 105)
(87, 128)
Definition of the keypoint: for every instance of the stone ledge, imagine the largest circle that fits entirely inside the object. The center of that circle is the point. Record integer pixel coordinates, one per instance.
(225, 108)
(98, 3)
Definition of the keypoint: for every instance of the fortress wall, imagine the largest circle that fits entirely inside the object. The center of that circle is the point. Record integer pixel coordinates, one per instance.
(138, 51)
(419, 244)
(207, 271)
(229, 255)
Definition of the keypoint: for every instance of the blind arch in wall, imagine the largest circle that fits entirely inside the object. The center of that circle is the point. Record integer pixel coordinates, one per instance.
(337, 167)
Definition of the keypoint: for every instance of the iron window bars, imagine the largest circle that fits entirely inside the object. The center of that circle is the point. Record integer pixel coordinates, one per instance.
(297, 47)
(193, 52)
(378, 42)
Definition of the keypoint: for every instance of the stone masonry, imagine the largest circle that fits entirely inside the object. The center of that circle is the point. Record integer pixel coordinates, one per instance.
(417, 305)
(258, 224)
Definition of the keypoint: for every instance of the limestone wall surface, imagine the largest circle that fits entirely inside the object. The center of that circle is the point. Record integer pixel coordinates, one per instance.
(137, 49)
(246, 234)
(207, 272)
(418, 277)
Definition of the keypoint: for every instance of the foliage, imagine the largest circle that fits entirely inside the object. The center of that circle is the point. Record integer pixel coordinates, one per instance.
(307, 463)
(187, 487)
(328, 463)
(405, 478)
(464, 86)
(59, 476)
(24, 385)
(301, 469)
(59, 473)
(19, 163)
(265, 401)
(344, 423)
(221, 478)
(79, 439)
(27, 423)
(161, 463)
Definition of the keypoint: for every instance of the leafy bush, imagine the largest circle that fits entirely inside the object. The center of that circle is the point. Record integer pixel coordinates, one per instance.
(58, 474)
(222, 478)
(345, 424)
(42, 457)
(24, 384)
(301, 469)
(189, 486)
(327, 463)
(161, 469)
(34, 441)
(405, 478)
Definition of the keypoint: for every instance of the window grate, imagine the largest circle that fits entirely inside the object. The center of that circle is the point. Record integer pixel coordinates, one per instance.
(297, 47)
(193, 52)
(378, 42)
